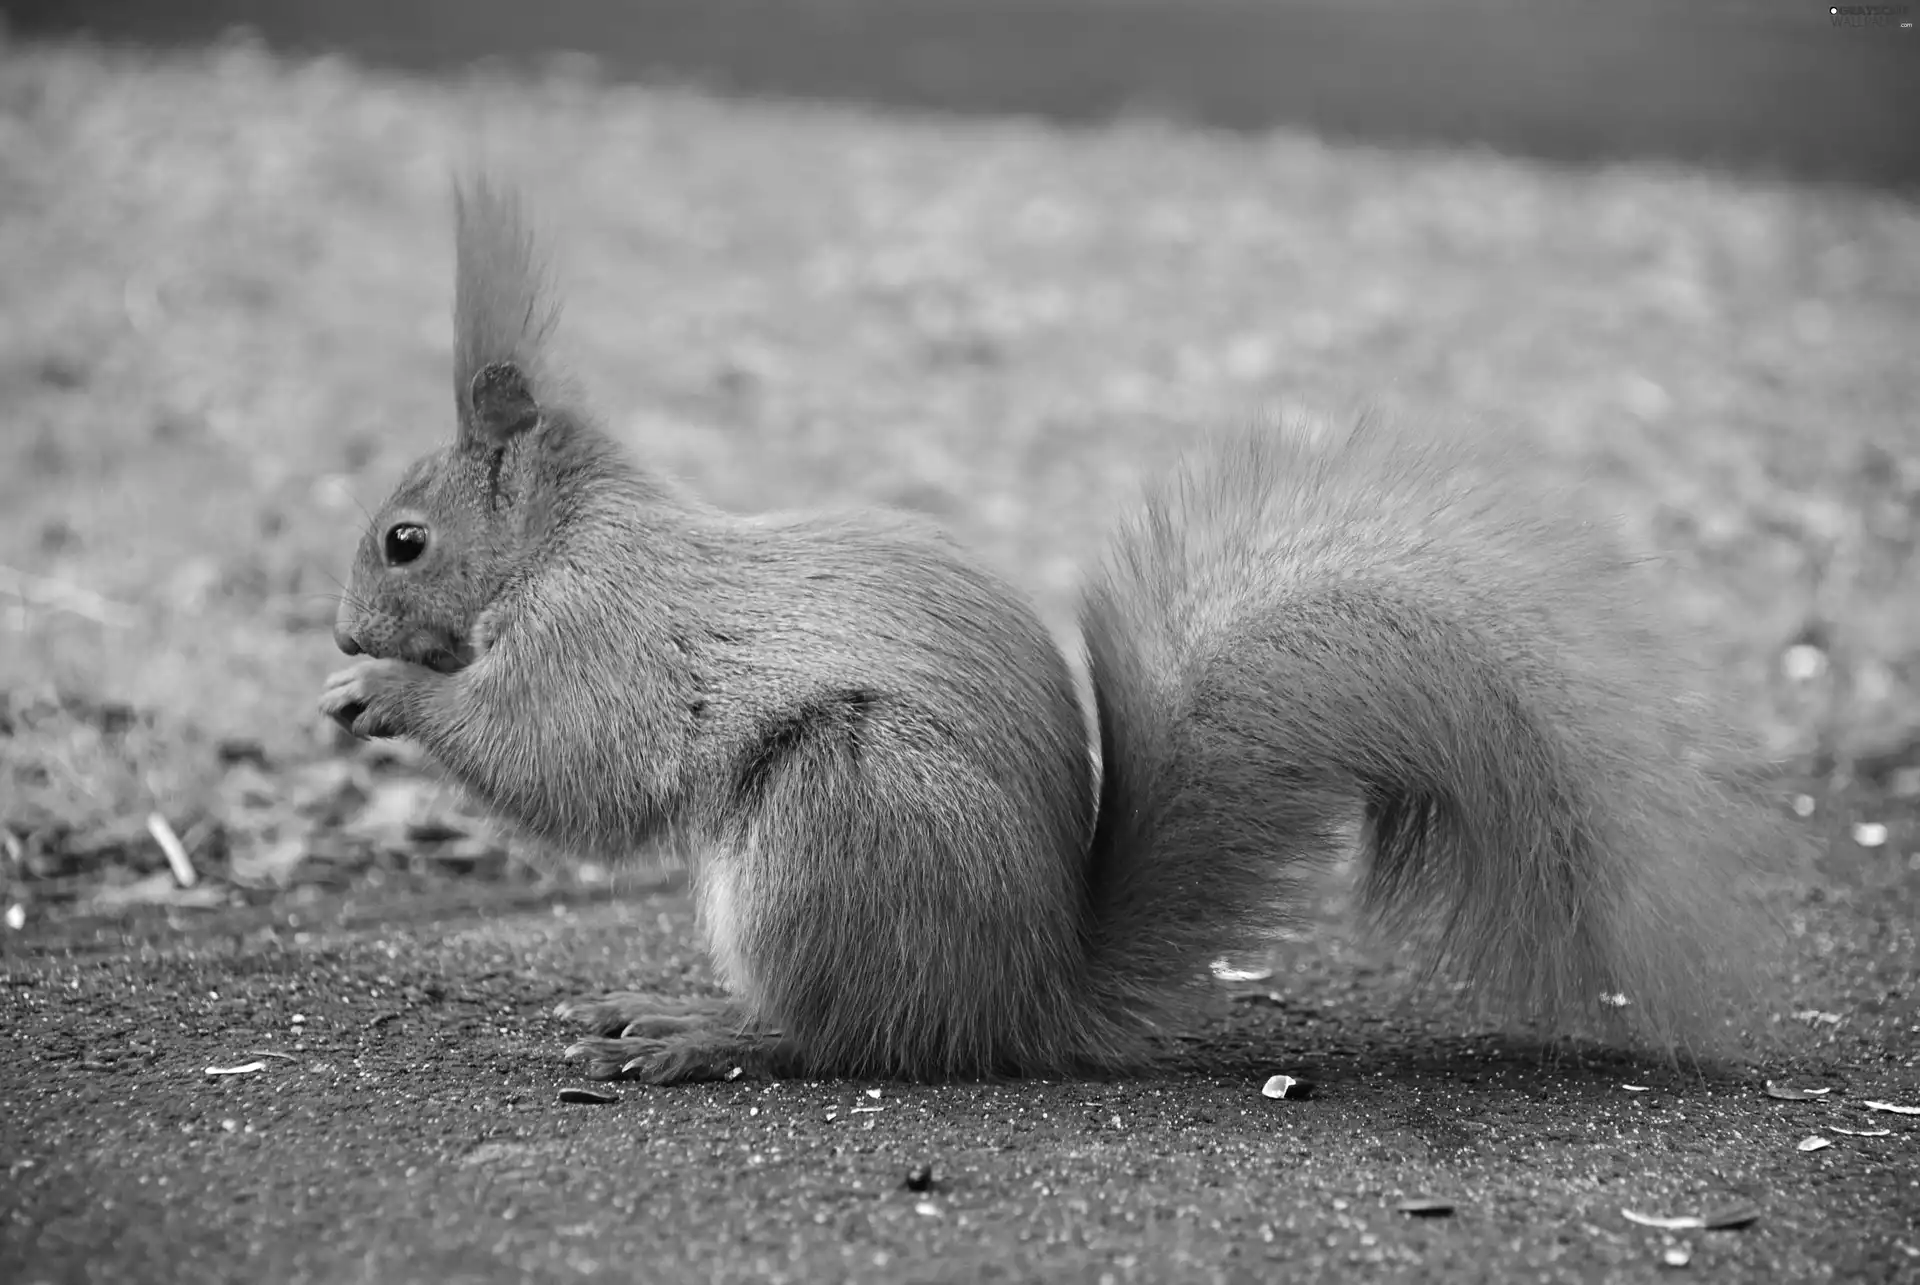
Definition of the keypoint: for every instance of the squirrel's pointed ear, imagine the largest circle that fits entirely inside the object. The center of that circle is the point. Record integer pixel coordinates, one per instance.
(503, 405)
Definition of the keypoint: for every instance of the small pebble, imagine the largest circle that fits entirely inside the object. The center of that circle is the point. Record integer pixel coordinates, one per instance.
(1787, 1093)
(920, 1178)
(1285, 1086)
(1227, 972)
(1804, 663)
(1424, 1207)
(587, 1097)
(1730, 1217)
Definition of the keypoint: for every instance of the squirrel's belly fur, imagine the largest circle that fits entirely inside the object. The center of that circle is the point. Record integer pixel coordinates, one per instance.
(910, 858)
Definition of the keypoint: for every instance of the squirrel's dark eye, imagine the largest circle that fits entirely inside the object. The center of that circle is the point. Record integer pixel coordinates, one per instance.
(405, 541)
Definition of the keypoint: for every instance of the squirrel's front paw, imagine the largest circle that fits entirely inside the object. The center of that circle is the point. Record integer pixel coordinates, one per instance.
(364, 697)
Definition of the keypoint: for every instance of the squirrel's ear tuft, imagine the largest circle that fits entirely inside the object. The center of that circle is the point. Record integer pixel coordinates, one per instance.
(503, 405)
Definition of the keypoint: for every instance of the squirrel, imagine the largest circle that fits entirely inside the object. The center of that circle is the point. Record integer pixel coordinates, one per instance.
(912, 852)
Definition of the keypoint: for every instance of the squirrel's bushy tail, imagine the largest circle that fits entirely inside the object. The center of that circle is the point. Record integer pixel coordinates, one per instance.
(1295, 636)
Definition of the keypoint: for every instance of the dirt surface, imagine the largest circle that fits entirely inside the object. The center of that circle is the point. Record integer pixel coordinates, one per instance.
(405, 1121)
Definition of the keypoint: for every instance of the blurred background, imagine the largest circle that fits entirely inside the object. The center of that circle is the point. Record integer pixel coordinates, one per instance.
(1789, 85)
(988, 259)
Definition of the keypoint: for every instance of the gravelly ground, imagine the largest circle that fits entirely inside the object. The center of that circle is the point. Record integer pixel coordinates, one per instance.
(409, 1129)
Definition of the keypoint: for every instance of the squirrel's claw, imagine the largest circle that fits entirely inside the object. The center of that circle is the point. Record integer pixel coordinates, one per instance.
(361, 697)
(602, 1064)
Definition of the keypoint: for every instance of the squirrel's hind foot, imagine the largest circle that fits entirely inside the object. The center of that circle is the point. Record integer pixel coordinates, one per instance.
(702, 1054)
(657, 1039)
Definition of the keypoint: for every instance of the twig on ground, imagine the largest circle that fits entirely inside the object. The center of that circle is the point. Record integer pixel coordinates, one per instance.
(183, 872)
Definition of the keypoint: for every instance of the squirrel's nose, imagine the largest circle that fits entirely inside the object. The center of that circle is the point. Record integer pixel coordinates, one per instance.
(343, 630)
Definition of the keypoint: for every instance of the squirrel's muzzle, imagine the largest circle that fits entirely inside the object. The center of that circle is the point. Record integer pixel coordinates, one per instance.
(343, 630)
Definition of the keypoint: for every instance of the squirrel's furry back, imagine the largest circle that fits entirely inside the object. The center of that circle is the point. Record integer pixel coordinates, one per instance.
(1305, 629)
